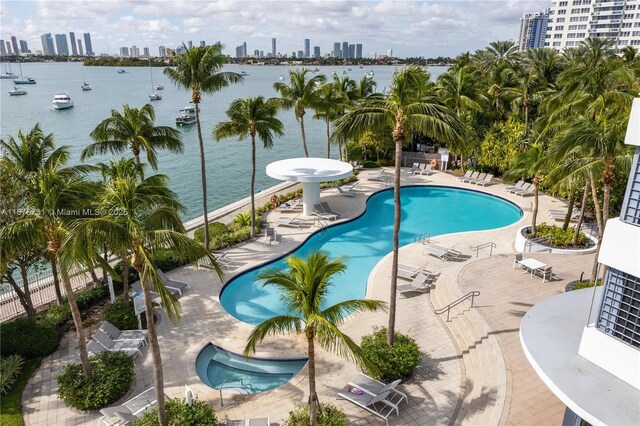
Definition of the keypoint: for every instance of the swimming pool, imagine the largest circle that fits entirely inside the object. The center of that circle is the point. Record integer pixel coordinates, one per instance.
(367, 239)
(221, 369)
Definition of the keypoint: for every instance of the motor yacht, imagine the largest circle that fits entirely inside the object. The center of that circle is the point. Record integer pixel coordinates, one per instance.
(85, 86)
(61, 100)
(17, 91)
(187, 115)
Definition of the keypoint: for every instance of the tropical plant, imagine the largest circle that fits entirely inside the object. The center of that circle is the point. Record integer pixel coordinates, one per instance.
(330, 104)
(10, 368)
(393, 362)
(251, 117)
(143, 217)
(179, 413)
(299, 94)
(133, 129)
(198, 69)
(408, 106)
(304, 287)
(328, 415)
(27, 338)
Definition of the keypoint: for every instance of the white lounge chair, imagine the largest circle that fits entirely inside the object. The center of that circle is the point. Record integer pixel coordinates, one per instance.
(270, 236)
(131, 410)
(372, 385)
(171, 283)
(486, 181)
(291, 206)
(347, 192)
(526, 190)
(383, 176)
(116, 334)
(130, 347)
(409, 272)
(319, 211)
(327, 209)
(264, 421)
(293, 222)
(561, 215)
(443, 253)
(422, 282)
(525, 186)
(427, 170)
(480, 177)
(381, 403)
(516, 186)
(474, 175)
(466, 175)
(415, 167)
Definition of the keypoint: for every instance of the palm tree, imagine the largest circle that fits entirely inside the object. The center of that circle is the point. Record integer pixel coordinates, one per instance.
(28, 153)
(58, 190)
(299, 94)
(198, 70)
(143, 218)
(331, 102)
(407, 106)
(251, 117)
(133, 129)
(304, 287)
(531, 163)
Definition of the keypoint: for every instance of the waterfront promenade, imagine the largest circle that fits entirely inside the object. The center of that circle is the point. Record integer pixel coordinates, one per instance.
(473, 370)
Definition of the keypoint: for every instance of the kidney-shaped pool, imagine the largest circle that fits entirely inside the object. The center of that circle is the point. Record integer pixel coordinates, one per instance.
(367, 239)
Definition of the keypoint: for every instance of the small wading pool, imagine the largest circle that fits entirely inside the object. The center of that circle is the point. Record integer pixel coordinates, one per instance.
(221, 369)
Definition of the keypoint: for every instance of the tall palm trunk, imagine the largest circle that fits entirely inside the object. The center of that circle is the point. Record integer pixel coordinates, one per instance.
(594, 194)
(572, 201)
(398, 136)
(204, 177)
(583, 207)
(26, 294)
(136, 156)
(304, 137)
(253, 181)
(125, 278)
(534, 211)
(313, 396)
(77, 320)
(56, 281)
(154, 348)
(328, 138)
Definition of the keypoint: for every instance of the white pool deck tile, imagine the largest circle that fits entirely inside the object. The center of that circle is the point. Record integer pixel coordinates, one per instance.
(472, 372)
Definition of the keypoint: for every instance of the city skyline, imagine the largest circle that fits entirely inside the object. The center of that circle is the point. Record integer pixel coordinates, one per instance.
(409, 28)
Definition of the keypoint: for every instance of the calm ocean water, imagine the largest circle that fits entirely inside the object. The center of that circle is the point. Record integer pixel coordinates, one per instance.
(228, 162)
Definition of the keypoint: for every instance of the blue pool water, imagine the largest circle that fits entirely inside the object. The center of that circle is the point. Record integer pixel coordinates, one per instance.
(365, 240)
(219, 368)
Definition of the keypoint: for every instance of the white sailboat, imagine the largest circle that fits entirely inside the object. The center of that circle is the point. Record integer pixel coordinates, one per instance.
(154, 96)
(17, 91)
(85, 86)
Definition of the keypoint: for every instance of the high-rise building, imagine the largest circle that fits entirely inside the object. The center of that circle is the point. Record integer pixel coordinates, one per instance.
(300, 54)
(241, 51)
(146, 52)
(87, 44)
(124, 52)
(390, 53)
(307, 48)
(162, 51)
(3, 49)
(202, 43)
(80, 51)
(590, 339)
(72, 42)
(190, 44)
(345, 49)
(570, 22)
(533, 29)
(24, 47)
(352, 51)
(134, 52)
(316, 51)
(8, 44)
(14, 45)
(336, 50)
(61, 45)
(273, 47)
(358, 50)
(47, 45)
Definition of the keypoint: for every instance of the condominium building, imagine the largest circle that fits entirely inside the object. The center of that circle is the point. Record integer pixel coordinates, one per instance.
(87, 44)
(24, 47)
(533, 30)
(358, 50)
(585, 344)
(241, 51)
(3, 49)
(47, 45)
(62, 47)
(8, 45)
(14, 45)
(124, 52)
(336, 50)
(307, 48)
(80, 51)
(316, 51)
(146, 53)
(72, 41)
(571, 21)
(273, 47)
(345, 49)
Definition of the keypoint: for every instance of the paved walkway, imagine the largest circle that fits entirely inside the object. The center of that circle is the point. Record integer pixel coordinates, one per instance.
(469, 375)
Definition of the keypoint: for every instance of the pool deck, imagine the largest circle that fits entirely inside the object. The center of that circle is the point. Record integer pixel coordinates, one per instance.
(473, 369)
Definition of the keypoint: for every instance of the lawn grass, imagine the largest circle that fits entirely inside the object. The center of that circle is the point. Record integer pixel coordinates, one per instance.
(11, 407)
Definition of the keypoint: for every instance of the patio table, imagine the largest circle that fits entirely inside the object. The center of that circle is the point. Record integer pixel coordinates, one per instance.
(532, 265)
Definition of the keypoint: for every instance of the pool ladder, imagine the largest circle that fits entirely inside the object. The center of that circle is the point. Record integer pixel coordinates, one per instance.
(321, 223)
(424, 237)
(224, 382)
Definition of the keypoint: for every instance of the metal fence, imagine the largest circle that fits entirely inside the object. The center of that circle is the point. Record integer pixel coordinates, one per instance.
(42, 293)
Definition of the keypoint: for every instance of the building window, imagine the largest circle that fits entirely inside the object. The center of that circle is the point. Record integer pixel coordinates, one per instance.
(559, 27)
(573, 27)
(631, 204)
(560, 20)
(626, 25)
(583, 18)
(563, 3)
(635, 42)
(635, 33)
(625, 34)
(557, 36)
(570, 44)
(620, 309)
(562, 12)
(556, 44)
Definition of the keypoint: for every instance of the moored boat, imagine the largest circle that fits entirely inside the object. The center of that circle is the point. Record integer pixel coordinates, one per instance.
(61, 100)
(187, 115)
(17, 91)
(86, 86)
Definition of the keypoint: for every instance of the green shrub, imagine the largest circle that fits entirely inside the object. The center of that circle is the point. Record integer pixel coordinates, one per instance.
(10, 368)
(231, 239)
(370, 165)
(111, 377)
(133, 276)
(586, 284)
(328, 415)
(27, 338)
(117, 314)
(86, 299)
(11, 412)
(179, 413)
(215, 229)
(386, 162)
(395, 362)
(55, 315)
(168, 260)
(339, 182)
(559, 237)
(243, 220)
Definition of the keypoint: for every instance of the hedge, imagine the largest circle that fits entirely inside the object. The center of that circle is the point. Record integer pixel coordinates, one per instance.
(11, 403)
(10, 368)
(117, 314)
(27, 338)
(181, 414)
(395, 362)
(328, 415)
(110, 378)
(559, 237)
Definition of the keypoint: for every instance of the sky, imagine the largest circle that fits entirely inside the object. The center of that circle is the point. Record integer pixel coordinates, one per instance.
(410, 28)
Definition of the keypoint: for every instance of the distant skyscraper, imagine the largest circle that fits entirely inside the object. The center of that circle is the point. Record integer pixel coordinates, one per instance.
(80, 51)
(352, 51)
(124, 52)
(14, 45)
(190, 44)
(162, 51)
(72, 42)
(47, 45)
(345, 49)
(533, 30)
(307, 48)
(358, 50)
(8, 44)
(202, 43)
(87, 44)
(62, 47)
(336, 50)
(241, 51)
(3, 49)
(146, 52)
(316, 51)
(24, 48)
(273, 47)
(134, 52)
(300, 54)
(390, 53)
